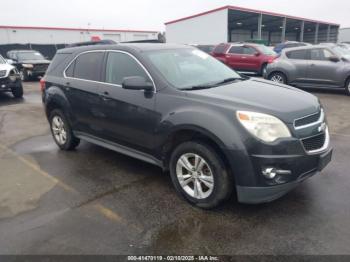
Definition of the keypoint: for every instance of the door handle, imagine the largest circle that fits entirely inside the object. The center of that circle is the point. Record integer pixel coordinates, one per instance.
(105, 96)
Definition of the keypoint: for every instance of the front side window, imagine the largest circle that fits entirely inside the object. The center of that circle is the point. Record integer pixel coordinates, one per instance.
(320, 54)
(87, 66)
(186, 68)
(249, 50)
(121, 65)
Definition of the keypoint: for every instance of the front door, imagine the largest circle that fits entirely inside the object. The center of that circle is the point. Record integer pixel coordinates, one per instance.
(322, 71)
(130, 114)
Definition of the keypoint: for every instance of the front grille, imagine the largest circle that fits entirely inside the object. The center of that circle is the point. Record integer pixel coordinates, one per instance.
(307, 120)
(41, 67)
(315, 142)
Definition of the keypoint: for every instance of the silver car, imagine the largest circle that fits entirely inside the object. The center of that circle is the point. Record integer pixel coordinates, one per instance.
(312, 66)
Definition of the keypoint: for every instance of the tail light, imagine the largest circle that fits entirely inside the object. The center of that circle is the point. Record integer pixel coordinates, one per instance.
(42, 84)
(272, 59)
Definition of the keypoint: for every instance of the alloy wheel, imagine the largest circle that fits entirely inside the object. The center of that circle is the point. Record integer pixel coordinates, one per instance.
(195, 176)
(59, 130)
(277, 79)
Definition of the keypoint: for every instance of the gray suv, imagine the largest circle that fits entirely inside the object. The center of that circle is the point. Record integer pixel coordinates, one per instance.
(314, 66)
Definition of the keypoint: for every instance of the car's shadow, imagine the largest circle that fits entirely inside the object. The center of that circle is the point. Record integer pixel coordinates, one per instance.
(8, 99)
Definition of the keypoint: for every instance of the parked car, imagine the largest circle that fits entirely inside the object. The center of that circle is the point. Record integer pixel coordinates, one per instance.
(9, 79)
(315, 66)
(251, 58)
(30, 63)
(181, 109)
(288, 44)
(205, 48)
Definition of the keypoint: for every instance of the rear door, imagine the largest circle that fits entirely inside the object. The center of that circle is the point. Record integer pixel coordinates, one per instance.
(251, 59)
(82, 88)
(300, 61)
(322, 71)
(234, 57)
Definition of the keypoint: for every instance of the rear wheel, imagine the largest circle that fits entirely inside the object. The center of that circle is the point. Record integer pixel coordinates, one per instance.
(278, 77)
(62, 132)
(17, 91)
(347, 87)
(200, 175)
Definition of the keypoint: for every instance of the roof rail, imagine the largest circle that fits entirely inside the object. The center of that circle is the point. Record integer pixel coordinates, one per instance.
(101, 42)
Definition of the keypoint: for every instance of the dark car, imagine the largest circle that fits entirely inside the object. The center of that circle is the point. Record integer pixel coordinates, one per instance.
(179, 108)
(249, 58)
(321, 66)
(9, 79)
(30, 63)
(288, 44)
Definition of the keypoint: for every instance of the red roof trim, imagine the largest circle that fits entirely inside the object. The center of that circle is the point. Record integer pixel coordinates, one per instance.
(230, 7)
(74, 29)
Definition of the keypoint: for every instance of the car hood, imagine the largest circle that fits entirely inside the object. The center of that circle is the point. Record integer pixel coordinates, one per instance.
(282, 101)
(6, 67)
(35, 62)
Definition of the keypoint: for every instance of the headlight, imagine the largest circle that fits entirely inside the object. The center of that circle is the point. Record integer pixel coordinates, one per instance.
(27, 65)
(265, 127)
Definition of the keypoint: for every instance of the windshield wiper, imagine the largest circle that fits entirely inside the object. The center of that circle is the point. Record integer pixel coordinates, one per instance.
(211, 85)
(229, 80)
(199, 87)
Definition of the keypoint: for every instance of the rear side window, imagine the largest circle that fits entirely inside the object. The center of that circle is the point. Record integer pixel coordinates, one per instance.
(236, 50)
(220, 49)
(121, 65)
(88, 66)
(298, 55)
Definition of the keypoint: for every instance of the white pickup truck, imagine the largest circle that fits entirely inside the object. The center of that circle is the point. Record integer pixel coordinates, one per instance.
(10, 80)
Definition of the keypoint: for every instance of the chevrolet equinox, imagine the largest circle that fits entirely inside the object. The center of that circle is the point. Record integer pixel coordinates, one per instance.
(181, 109)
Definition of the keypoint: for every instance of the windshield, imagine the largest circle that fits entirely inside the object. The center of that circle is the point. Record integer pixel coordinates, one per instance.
(30, 56)
(266, 50)
(2, 60)
(342, 51)
(186, 68)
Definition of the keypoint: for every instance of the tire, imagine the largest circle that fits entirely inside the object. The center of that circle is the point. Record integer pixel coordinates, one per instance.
(62, 132)
(17, 91)
(278, 77)
(263, 70)
(24, 74)
(212, 171)
(347, 87)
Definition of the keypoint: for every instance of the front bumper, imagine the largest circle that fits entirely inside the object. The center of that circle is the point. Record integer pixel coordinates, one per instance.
(302, 168)
(6, 84)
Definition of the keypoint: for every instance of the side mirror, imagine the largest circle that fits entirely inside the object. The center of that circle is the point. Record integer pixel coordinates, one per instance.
(257, 54)
(137, 83)
(334, 59)
(10, 61)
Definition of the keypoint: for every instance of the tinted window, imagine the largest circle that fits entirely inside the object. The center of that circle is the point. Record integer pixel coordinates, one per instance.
(249, 50)
(120, 65)
(220, 49)
(298, 54)
(320, 54)
(236, 50)
(70, 70)
(88, 66)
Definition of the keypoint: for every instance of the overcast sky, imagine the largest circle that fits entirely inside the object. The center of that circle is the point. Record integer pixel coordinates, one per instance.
(151, 14)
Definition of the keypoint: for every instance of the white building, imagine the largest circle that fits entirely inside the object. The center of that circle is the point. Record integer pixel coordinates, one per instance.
(54, 35)
(344, 35)
(234, 24)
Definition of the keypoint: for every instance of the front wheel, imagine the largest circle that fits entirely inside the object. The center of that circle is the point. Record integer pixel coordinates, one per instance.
(17, 91)
(23, 73)
(199, 175)
(347, 87)
(278, 78)
(62, 132)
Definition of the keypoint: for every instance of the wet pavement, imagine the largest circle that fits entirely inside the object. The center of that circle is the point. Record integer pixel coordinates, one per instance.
(96, 201)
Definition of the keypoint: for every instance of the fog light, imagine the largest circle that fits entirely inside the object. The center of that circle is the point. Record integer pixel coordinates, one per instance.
(271, 172)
